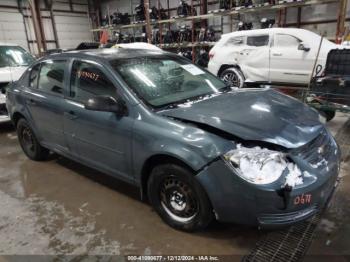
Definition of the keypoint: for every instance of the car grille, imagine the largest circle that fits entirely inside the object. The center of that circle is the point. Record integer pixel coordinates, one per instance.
(317, 150)
(3, 86)
(287, 217)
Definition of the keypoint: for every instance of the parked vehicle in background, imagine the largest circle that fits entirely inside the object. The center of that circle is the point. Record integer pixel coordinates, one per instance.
(330, 92)
(137, 45)
(196, 148)
(14, 60)
(281, 56)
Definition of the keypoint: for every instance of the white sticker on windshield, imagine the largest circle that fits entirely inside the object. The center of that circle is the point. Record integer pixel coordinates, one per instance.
(192, 69)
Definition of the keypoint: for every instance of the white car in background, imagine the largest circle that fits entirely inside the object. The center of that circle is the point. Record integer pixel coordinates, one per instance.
(14, 60)
(138, 45)
(280, 56)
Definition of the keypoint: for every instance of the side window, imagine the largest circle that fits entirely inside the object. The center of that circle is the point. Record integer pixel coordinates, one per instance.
(51, 76)
(88, 81)
(259, 40)
(33, 76)
(236, 41)
(282, 40)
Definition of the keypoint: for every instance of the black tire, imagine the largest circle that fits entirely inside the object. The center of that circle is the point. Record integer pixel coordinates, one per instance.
(233, 76)
(29, 142)
(329, 114)
(171, 188)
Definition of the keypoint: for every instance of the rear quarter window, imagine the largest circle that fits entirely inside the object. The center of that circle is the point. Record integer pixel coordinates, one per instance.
(235, 41)
(260, 40)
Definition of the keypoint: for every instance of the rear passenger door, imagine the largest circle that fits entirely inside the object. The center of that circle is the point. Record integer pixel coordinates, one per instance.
(101, 139)
(254, 59)
(45, 102)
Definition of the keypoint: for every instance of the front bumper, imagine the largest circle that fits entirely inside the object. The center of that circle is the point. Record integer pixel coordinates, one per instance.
(4, 117)
(267, 206)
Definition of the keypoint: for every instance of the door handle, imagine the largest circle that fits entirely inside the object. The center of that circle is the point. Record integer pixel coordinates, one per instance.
(70, 114)
(277, 54)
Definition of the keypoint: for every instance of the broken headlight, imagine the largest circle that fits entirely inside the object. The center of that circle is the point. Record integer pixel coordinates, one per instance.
(262, 166)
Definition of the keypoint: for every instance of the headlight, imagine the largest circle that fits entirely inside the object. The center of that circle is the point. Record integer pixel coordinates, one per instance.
(262, 166)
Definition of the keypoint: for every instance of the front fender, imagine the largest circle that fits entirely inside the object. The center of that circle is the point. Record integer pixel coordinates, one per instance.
(187, 143)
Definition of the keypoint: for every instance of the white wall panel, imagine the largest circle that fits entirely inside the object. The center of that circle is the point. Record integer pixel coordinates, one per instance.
(81, 8)
(12, 27)
(72, 30)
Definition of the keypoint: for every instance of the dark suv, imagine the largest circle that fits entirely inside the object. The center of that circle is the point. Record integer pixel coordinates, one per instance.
(196, 148)
(331, 90)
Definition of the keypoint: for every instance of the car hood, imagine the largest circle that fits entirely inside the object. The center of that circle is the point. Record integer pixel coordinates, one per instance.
(260, 115)
(9, 74)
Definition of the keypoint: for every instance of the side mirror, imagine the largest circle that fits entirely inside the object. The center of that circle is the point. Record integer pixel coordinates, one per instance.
(106, 104)
(304, 47)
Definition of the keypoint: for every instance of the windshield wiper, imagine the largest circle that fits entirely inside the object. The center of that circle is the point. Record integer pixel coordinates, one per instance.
(193, 99)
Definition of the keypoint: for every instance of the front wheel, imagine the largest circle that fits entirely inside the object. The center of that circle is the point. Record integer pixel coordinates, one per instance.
(233, 76)
(178, 198)
(329, 114)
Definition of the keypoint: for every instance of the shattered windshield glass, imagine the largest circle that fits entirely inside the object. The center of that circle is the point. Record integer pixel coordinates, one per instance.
(165, 80)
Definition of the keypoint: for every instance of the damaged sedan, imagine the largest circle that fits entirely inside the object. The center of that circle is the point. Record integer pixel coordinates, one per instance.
(197, 149)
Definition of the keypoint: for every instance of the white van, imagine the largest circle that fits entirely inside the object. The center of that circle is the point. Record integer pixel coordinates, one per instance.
(14, 60)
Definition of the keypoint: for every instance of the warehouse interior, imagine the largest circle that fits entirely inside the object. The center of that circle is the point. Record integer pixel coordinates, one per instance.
(275, 81)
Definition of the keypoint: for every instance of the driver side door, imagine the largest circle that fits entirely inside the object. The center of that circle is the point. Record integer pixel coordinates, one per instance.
(102, 139)
(288, 64)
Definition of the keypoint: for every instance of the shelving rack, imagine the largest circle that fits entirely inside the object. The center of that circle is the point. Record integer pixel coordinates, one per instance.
(281, 8)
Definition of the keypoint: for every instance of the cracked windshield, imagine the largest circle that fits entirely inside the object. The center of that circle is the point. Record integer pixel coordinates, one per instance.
(165, 80)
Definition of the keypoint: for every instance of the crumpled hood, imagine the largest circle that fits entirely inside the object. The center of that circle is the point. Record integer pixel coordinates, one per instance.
(261, 115)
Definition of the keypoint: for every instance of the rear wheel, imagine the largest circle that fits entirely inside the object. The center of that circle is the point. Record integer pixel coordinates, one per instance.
(233, 76)
(179, 198)
(329, 114)
(29, 142)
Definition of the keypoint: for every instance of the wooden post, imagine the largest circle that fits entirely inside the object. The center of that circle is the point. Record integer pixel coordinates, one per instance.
(148, 21)
(33, 10)
(341, 21)
(299, 17)
(160, 25)
(193, 35)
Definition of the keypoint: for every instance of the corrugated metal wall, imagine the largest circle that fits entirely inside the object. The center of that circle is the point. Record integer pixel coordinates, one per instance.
(72, 28)
(72, 24)
(11, 25)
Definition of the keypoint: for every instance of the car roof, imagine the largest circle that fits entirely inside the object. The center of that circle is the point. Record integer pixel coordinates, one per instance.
(293, 31)
(107, 54)
(137, 45)
(303, 34)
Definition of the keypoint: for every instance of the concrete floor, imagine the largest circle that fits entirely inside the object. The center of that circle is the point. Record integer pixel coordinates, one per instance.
(61, 207)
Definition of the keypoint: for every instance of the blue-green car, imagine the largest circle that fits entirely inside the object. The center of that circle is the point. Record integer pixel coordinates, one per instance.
(196, 148)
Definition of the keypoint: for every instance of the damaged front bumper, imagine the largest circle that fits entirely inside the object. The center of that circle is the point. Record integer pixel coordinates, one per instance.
(235, 200)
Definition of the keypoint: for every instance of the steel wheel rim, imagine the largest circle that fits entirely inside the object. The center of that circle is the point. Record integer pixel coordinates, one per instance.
(231, 78)
(178, 199)
(27, 139)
